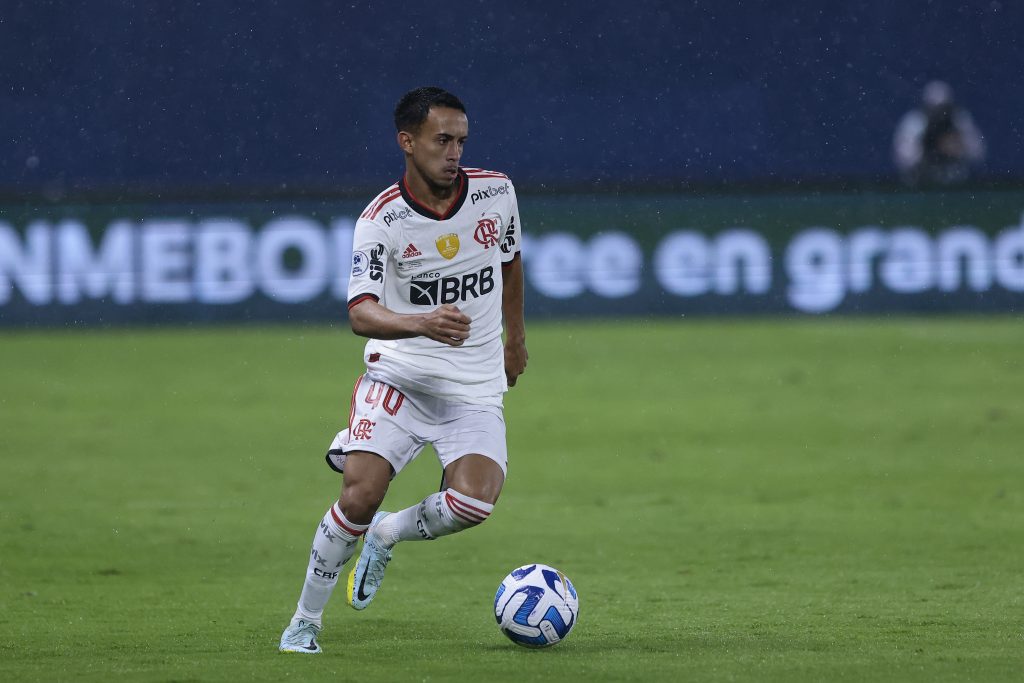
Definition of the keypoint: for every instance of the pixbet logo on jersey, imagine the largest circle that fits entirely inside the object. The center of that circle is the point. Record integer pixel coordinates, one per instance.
(393, 215)
(486, 192)
(448, 290)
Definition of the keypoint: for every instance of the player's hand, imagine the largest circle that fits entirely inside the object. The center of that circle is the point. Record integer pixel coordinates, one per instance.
(515, 360)
(447, 325)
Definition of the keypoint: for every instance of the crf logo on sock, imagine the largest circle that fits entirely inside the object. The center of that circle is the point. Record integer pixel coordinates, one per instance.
(363, 430)
(325, 575)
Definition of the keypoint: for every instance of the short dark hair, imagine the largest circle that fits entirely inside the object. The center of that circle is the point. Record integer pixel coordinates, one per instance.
(411, 111)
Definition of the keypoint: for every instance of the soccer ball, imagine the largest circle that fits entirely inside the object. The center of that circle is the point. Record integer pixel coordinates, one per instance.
(536, 606)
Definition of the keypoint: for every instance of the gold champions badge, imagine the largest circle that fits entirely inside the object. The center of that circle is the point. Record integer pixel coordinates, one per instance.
(448, 245)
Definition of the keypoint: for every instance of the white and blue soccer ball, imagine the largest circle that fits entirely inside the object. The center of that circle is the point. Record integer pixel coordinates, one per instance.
(536, 606)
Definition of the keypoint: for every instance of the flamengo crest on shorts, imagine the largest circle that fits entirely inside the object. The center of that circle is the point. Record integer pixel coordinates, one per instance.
(397, 426)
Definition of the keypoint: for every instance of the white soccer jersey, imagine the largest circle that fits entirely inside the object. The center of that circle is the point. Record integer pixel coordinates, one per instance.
(413, 260)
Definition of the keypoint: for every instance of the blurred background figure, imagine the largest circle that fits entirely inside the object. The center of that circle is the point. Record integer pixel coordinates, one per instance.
(938, 143)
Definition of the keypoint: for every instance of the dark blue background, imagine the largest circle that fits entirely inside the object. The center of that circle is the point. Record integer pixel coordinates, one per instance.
(293, 96)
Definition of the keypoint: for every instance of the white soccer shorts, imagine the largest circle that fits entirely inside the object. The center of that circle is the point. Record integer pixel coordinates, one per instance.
(396, 425)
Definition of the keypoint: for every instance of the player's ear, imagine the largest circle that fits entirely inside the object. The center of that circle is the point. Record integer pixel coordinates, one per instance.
(405, 141)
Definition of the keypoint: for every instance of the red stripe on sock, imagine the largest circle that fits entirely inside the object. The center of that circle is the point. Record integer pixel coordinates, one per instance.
(463, 510)
(480, 511)
(343, 523)
(469, 520)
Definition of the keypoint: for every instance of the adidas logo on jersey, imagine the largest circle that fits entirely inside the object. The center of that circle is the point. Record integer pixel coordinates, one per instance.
(411, 251)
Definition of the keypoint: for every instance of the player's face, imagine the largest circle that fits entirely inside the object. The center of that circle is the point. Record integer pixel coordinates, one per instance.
(435, 149)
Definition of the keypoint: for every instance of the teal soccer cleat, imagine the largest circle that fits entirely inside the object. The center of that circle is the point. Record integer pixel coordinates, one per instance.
(366, 577)
(300, 636)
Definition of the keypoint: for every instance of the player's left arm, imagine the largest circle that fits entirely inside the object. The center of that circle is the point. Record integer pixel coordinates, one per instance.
(515, 323)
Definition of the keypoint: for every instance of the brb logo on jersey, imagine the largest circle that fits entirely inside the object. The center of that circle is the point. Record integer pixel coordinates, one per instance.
(486, 232)
(449, 290)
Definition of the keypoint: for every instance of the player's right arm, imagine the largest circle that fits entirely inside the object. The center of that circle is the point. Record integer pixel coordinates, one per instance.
(446, 324)
(368, 313)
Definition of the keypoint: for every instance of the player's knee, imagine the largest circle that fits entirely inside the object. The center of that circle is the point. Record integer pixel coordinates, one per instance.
(360, 501)
(476, 476)
(367, 476)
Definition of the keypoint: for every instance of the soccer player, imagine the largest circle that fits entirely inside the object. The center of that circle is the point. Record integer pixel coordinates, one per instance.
(436, 270)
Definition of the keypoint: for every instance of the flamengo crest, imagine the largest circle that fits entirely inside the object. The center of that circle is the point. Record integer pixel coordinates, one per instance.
(486, 232)
(363, 430)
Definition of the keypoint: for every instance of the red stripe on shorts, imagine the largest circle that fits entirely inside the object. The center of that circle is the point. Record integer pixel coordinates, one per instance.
(352, 405)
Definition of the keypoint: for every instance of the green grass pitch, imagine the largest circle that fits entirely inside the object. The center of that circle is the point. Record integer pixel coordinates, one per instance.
(743, 500)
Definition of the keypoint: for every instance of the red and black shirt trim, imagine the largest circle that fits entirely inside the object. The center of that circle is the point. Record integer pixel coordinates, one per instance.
(360, 298)
(423, 210)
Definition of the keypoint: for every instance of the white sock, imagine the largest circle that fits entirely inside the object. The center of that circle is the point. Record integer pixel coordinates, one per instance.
(333, 544)
(439, 514)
